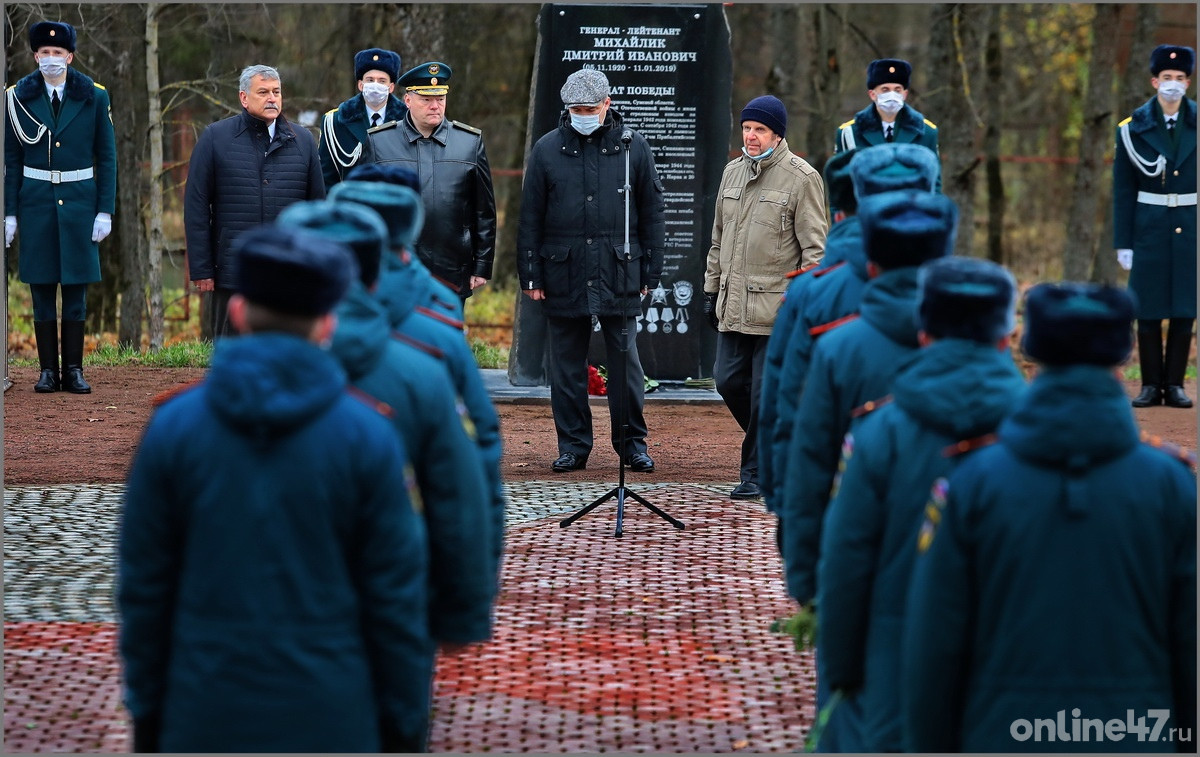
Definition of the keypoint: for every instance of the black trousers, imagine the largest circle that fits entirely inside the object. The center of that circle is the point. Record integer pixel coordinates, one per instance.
(568, 371)
(738, 375)
(219, 310)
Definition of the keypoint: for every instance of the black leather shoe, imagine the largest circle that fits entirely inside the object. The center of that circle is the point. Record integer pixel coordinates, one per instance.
(746, 490)
(640, 462)
(569, 461)
(1174, 397)
(1149, 397)
(48, 382)
(72, 381)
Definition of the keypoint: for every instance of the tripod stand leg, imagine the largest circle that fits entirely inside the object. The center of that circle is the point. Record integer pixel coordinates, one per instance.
(621, 492)
(656, 511)
(588, 508)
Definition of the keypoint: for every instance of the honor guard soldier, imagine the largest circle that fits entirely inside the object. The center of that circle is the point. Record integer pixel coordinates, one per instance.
(943, 404)
(458, 244)
(1154, 223)
(344, 129)
(60, 189)
(888, 118)
(1055, 577)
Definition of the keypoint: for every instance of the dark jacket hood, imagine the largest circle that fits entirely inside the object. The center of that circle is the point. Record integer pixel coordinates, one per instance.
(958, 387)
(889, 303)
(362, 332)
(1073, 418)
(266, 385)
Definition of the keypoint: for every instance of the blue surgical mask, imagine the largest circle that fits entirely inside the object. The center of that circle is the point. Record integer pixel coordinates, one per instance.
(585, 124)
(1171, 91)
(889, 102)
(52, 66)
(765, 153)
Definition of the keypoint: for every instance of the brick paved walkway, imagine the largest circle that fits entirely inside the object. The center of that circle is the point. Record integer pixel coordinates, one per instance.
(654, 642)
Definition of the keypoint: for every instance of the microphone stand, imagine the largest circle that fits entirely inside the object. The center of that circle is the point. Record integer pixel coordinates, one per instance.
(620, 492)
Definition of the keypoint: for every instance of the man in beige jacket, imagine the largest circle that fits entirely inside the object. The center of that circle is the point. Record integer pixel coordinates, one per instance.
(770, 221)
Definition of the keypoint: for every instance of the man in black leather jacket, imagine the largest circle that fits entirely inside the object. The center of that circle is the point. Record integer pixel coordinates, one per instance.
(458, 242)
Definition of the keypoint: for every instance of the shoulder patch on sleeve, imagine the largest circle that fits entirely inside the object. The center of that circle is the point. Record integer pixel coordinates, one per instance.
(930, 124)
(848, 123)
(870, 406)
(382, 127)
(331, 110)
(1127, 120)
(964, 446)
(1182, 454)
(843, 463)
(466, 127)
(933, 513)
(378, 406)
(98, 85)
(166, 396)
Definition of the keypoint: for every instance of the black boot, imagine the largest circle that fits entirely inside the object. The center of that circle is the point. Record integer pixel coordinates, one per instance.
(46, 334)
(72, 352)
(1150, 355)
(1179, 347)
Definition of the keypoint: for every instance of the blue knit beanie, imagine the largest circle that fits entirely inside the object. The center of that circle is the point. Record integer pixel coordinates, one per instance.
(767, 110)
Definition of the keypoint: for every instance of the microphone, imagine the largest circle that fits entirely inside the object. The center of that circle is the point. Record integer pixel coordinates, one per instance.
(627, 136)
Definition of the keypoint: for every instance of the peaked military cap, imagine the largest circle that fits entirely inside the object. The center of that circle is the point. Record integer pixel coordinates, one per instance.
(427, 79)
(888, 71)
(585, 87)
(1073, 322)
(966, 298)
(388, 173)
(1172, 58)
(52, 34)
(907, 228)
(377, 59)
(292, 271)
(398, 205)
(838, 182)
(358, 227)
(892, 166)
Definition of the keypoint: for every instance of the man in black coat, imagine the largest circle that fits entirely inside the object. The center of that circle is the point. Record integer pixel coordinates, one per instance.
(572, 259)
(244, 170)
(458, 241)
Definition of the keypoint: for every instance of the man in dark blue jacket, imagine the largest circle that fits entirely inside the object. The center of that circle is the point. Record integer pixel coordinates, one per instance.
(571, 257)
(244, 170)
(1053, 601)
(344, 129)
(272, 566)
(944, 401)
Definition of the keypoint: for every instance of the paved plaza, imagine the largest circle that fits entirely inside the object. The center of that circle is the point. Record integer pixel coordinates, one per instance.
(658, 641)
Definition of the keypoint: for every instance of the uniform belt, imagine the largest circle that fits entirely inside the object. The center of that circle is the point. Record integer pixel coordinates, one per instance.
(1171, 200)
(62, 177)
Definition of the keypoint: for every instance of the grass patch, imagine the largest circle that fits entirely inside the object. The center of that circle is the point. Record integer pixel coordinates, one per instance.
(489, 355)
(187, 354)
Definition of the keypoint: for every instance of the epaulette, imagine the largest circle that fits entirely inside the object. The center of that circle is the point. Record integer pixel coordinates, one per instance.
(930, 124)
(799, 271)
(1127, 120)
(378, 406)
(382, 126)
(428, 349)
(966, 445)
(848, 123)
(1182, 454)
(98, 85)
(166, 396)
(870, 406)
(439, 317)
(818, 330)
(826, 270)
(331, 110)
(466, 127)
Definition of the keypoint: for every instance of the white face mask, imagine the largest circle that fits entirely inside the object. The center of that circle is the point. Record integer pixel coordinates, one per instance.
(585, 124)
(1171, 91)
(889, 102)
(52, 66)
(375, 93)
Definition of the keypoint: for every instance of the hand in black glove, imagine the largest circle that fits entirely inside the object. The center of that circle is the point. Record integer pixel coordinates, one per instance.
(710, 309)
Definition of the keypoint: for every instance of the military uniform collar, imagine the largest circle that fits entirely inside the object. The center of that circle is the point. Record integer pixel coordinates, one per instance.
(412, 133)
(78, 86)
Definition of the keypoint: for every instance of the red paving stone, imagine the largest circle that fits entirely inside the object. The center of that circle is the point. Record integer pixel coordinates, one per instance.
(655, 642)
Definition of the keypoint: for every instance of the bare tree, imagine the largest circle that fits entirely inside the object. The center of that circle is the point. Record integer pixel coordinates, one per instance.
(1090, 192)
(155, 224)
(823, 36)
(996, 201)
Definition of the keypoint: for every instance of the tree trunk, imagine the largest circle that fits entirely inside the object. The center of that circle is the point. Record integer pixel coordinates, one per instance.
(1089, 195)
(954, 42)
(994, 63)
(155, 225)
(822, 38)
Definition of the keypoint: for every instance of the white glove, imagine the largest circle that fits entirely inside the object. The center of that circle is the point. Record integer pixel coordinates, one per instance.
(10, 229)
(101, 227)
(1125, 258)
